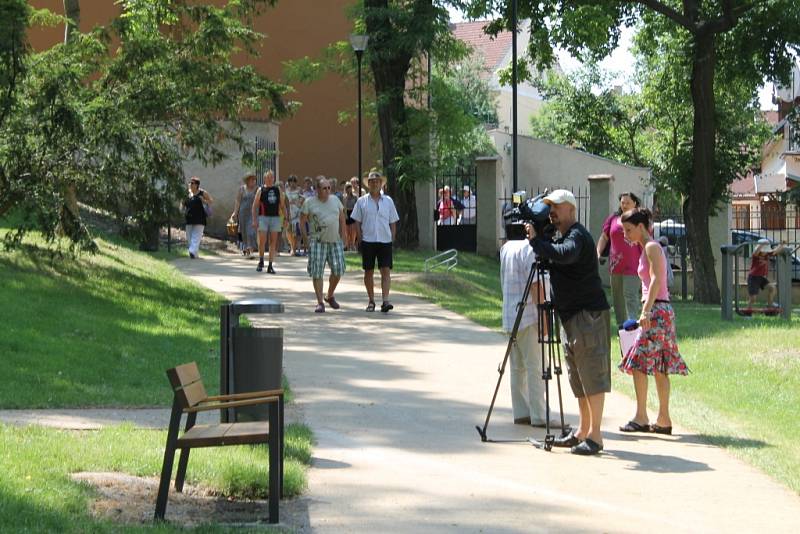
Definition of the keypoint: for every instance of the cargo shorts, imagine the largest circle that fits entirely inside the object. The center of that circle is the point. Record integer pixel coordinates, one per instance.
(586, 337)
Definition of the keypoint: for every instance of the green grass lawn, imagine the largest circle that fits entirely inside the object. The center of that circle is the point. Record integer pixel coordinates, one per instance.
(476, 276)
(744, 387)
(37, 494)
(100, 330)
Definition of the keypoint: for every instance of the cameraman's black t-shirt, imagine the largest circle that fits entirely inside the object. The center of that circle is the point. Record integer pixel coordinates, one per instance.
(574, 274)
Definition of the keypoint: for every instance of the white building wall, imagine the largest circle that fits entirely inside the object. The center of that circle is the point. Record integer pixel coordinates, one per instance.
(223, 180)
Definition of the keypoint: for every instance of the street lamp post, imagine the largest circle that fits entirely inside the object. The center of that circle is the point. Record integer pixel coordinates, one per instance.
(359, 44)
(514, 94)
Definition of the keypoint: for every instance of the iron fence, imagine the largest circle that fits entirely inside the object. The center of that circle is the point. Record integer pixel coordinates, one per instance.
(771, 220)
(266, 158)
(459, 229)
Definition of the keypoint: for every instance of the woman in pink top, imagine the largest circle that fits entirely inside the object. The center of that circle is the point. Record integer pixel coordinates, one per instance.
(623, 259)
(656, 350)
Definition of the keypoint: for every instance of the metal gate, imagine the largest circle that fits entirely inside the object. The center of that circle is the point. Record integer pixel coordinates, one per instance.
(455, 212)
(266, 158)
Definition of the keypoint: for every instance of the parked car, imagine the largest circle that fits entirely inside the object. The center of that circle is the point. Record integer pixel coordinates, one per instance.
(744, 236)
(675, 231)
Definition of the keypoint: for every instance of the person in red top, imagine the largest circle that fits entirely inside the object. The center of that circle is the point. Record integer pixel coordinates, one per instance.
(757, 277)
(623, 261)
(447, 210)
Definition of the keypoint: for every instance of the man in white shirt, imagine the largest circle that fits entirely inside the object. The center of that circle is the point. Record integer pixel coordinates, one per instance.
(376, 226)
(469, 214)
(527, 386)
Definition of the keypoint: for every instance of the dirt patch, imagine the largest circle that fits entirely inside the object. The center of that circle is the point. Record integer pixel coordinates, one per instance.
(128, 499)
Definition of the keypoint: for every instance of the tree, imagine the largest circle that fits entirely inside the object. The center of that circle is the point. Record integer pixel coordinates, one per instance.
(651, 126)
(750, 39)
(584, 111)
(117, 125)
(400, 32)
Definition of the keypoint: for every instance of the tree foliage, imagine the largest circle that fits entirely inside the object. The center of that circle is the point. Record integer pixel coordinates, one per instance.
(727, 40)
(117, 124)
(415, 140)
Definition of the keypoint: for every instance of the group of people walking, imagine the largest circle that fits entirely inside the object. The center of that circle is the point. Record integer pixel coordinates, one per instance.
(638, 268)
(322, 222)
(319, 220)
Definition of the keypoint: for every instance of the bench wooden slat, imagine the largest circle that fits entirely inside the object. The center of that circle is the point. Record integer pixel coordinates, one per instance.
(194, 394)
(225, 434)
(231, 404)
(183, 375)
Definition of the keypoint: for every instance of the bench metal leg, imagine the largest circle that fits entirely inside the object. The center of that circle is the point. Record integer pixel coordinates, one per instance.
(283, 444)
(275, 455)
(169, 459)
(183, 461)
(180, 476)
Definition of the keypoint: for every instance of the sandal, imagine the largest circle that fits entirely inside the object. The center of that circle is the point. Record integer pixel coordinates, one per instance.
(332, 302)
(588, 447)
(371, 306)
(661, 429)
(633, 426)
(320, 308)
(386, 306)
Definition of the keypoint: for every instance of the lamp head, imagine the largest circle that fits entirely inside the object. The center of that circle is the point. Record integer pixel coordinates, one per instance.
(358, 42)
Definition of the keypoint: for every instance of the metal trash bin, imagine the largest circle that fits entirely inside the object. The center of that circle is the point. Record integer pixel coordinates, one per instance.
(251, 358)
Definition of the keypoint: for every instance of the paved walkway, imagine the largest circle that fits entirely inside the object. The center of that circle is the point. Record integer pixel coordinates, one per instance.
(394, 399)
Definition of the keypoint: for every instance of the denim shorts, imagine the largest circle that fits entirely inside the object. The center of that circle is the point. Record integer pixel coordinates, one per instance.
(269, 224)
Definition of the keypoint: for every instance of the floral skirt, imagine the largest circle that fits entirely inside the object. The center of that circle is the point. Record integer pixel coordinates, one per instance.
(656, 350)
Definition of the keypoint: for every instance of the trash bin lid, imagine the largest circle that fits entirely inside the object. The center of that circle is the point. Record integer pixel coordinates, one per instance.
(256, 306)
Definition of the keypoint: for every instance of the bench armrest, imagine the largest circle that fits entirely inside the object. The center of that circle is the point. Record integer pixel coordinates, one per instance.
(233, 404)
(248, 395)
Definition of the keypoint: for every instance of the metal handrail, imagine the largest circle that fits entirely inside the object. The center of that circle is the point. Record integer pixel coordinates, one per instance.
(448, 258)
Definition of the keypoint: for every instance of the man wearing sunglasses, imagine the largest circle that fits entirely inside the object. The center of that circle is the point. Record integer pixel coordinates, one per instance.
(326, 223)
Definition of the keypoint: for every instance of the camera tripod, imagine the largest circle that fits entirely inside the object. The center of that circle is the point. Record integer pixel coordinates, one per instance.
(550, 353)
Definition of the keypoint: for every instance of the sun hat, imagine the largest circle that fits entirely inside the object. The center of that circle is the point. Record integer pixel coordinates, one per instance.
(374, 174)
(559, 196)
(248, 176)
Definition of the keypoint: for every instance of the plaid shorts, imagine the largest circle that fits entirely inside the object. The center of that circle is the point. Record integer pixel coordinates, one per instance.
(320, 252)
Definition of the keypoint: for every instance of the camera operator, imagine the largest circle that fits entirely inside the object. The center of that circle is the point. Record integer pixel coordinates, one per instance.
(581, 305)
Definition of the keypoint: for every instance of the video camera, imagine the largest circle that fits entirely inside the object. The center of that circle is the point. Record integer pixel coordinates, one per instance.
(528, 210)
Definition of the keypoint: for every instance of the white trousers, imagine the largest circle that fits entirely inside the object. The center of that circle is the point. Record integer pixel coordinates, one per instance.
(194, 233)
(527, 386)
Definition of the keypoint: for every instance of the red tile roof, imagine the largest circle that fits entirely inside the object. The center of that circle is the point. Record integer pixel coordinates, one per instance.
(744, 186)
(491, 49)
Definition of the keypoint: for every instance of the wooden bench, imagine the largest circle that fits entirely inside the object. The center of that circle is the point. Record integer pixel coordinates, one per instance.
(191, 398)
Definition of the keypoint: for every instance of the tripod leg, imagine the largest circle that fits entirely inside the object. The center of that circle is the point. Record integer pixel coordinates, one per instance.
(511, 341)
(500, 370)
(564, 431)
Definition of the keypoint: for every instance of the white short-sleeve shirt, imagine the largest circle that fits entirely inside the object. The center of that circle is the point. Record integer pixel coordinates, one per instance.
(375, 217)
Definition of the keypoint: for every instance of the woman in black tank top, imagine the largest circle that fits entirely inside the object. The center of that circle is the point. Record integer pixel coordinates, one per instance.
(269, 200)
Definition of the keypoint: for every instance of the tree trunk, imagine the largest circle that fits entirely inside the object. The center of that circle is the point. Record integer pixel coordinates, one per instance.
(70, 215)
(697, 207)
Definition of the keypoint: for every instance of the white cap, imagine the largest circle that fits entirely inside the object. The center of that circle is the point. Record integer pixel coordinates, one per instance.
(763, 241)
(559, 196)
(466, 188)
